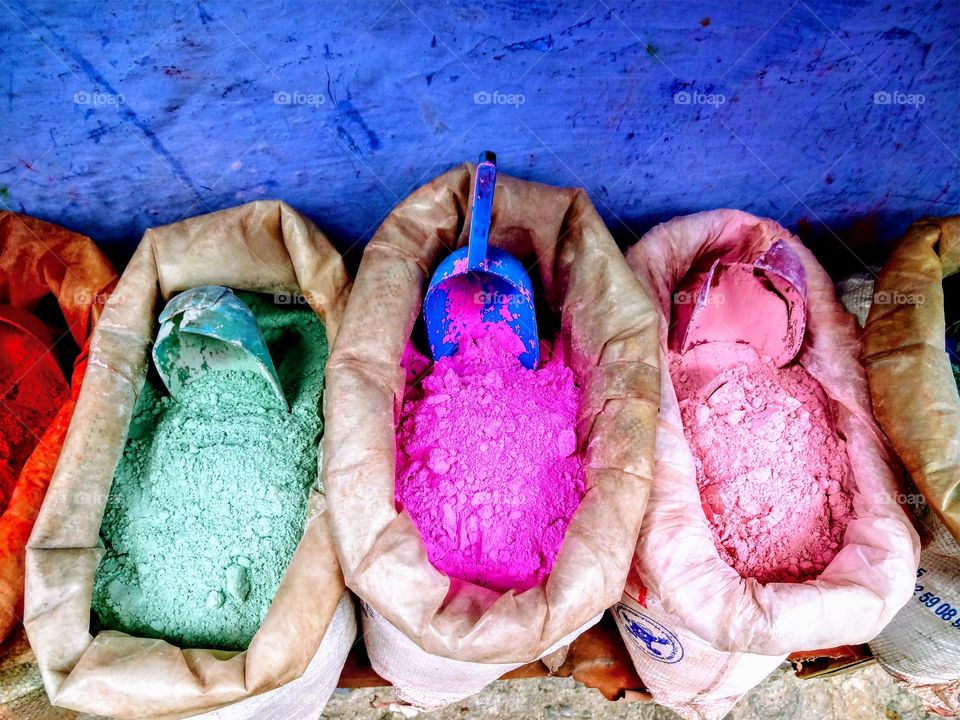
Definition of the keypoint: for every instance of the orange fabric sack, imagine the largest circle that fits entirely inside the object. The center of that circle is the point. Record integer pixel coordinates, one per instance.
(39, 263)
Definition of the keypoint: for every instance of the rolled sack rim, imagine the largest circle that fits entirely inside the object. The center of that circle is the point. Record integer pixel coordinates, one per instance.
(904, 339)
(384, 559)
(88, 673)
(871, 577)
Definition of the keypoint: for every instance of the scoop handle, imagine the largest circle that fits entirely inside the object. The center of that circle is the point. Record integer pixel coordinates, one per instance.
(484, 186)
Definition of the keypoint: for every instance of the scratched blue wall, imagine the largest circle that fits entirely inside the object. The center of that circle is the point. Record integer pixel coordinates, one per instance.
(119, 116)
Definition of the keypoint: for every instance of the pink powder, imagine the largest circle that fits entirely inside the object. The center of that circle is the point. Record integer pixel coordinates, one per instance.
(773, 474)
(469, 298)
(762, 304)
(476, 299)
(487, 462)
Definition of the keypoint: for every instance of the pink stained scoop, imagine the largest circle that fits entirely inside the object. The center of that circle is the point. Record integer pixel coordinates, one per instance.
(761, 304)
(471, 303)
(487, 461)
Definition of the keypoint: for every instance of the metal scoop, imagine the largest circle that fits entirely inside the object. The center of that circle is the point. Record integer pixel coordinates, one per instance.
(208, 329)
(494, 281)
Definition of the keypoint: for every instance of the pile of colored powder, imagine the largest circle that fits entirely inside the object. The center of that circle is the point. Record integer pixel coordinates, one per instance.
(487, 462)
(773, 474)
(208, 502)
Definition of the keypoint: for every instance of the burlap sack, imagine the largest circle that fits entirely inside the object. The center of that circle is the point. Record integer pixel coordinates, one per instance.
(920, 647)
(262, 246)
(856, 294)
(303, 698)
(443, 644)
(914, 394)
(701, 635)
(916, 402)
(39, 260)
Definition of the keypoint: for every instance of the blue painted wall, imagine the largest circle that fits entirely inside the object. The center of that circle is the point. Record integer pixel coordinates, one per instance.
(839, 119)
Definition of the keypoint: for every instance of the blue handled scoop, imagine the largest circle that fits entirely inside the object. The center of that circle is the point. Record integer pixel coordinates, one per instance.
(478, 284)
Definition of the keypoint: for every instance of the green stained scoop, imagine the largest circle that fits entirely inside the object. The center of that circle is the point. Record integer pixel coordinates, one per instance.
(208, 329)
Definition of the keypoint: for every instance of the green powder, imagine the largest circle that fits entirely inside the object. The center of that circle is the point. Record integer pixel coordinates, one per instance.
(208, 502)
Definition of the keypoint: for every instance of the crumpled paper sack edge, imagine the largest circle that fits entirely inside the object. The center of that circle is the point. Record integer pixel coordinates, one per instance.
(872, 576)
(609, 326)
(264, 246)
(914, 394)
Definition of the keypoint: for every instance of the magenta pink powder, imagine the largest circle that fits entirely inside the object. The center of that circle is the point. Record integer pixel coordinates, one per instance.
(487, 462)
(773, 474)
(474, 302)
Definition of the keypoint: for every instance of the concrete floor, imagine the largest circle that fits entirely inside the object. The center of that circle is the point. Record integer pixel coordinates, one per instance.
(865, 693)
(862, 693)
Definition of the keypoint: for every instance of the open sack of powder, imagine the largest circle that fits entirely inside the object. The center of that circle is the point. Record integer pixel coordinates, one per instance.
(701, 634)
(916, 402)
(265, 247)
(39, 261)
(439, 641)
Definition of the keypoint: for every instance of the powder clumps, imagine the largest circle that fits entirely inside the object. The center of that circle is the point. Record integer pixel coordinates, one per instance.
(487, 461)
(772, 472)
(208, 501)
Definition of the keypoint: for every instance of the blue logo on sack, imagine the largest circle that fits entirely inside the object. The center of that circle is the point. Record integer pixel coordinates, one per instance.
(649, 636)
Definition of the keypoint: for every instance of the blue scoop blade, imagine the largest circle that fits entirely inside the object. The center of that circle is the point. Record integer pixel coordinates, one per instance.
(489, 277)
(502, 288)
